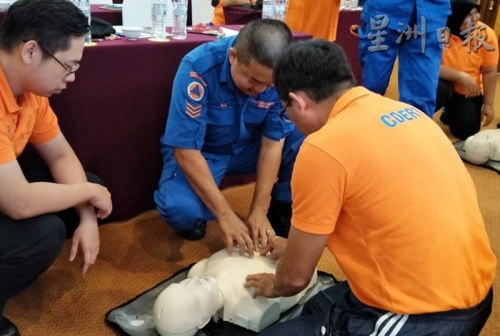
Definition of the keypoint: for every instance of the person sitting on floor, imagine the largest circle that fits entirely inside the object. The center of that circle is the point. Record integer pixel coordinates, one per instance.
(468, 74)
(215, 286)
(41, 44)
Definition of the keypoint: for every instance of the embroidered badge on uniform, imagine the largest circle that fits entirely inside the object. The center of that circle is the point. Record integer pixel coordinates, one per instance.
(194, 74)
(262, 104)
(193, 110)
(195, 91)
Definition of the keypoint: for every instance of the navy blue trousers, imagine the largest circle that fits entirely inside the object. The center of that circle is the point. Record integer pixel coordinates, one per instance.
(335, 311)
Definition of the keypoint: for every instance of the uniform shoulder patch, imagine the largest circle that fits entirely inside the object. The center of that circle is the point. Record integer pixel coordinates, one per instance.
(193, 110)
(195, 91)
(194, 74)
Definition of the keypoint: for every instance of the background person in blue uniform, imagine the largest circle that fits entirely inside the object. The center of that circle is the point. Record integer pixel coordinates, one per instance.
(382, 38)
(225, 117)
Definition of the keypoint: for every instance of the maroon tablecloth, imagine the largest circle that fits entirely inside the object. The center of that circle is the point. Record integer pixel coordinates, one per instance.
(349, 42)
(114, 17)
(115, 112)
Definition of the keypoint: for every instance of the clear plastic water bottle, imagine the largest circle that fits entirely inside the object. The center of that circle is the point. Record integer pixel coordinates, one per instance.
(84, 6)
(159, 19)
(280, 9)
(269, 9)
(180, 19)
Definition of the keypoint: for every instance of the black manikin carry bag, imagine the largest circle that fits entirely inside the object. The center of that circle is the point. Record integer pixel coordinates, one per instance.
(135, 317)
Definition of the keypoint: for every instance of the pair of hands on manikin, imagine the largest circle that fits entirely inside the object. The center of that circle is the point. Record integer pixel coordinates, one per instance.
(250, 235)
(263, 283)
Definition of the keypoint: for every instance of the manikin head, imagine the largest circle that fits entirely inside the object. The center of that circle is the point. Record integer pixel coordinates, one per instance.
(478, 149)
(183, 308)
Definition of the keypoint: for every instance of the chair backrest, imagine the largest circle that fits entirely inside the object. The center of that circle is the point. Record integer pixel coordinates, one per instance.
(138, 13)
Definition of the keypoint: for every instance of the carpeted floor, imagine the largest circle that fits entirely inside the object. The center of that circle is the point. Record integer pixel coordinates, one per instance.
(139, 253)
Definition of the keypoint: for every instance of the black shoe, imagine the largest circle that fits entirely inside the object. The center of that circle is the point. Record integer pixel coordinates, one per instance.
(280, 216)
(498, 125)
(195, 234)
(7, 328)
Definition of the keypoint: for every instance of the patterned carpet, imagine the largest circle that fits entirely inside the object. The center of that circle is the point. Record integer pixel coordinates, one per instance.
(139, 253)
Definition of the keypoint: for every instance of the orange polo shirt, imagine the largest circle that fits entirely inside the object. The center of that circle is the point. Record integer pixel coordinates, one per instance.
(318, 18)
(219, 18)
(400, 208)
(470, 57)
(27, 119)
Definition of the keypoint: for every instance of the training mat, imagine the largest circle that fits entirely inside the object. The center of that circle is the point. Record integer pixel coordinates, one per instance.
(135, 317)
(494, 165)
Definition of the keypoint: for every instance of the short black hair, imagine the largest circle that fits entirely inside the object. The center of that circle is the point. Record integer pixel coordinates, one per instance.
(317, 67)
(262, 40)
(52, 23)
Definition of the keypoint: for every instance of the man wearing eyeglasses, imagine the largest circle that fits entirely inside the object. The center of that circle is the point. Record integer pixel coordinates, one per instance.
(41, 44)
(224, 118)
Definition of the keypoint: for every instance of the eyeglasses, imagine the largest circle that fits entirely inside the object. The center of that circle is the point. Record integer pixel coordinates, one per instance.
(69, 70)
(283, 114)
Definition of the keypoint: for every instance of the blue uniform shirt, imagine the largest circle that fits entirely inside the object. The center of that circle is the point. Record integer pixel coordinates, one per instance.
(209, 113)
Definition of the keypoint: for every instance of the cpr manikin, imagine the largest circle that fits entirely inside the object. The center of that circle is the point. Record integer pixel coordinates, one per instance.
(215, 286)
(483, 146)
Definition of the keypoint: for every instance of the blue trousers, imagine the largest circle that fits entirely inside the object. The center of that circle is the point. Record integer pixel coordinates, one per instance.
(182, 209)
(335, 311)
(418, 71)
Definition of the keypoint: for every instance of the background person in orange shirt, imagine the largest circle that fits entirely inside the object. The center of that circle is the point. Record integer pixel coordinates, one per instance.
(415, 264)
(218, 18)
(41, 44)
(468, 74)
(318, 18)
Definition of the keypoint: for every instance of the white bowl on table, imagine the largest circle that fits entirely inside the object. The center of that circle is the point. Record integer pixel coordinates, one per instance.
(132, 32)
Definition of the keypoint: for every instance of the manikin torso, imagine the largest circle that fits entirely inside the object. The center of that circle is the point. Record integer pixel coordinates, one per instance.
(239, 307)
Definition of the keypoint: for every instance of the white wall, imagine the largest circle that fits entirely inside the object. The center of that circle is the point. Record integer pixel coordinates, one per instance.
(202, 11)
(138, 12)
